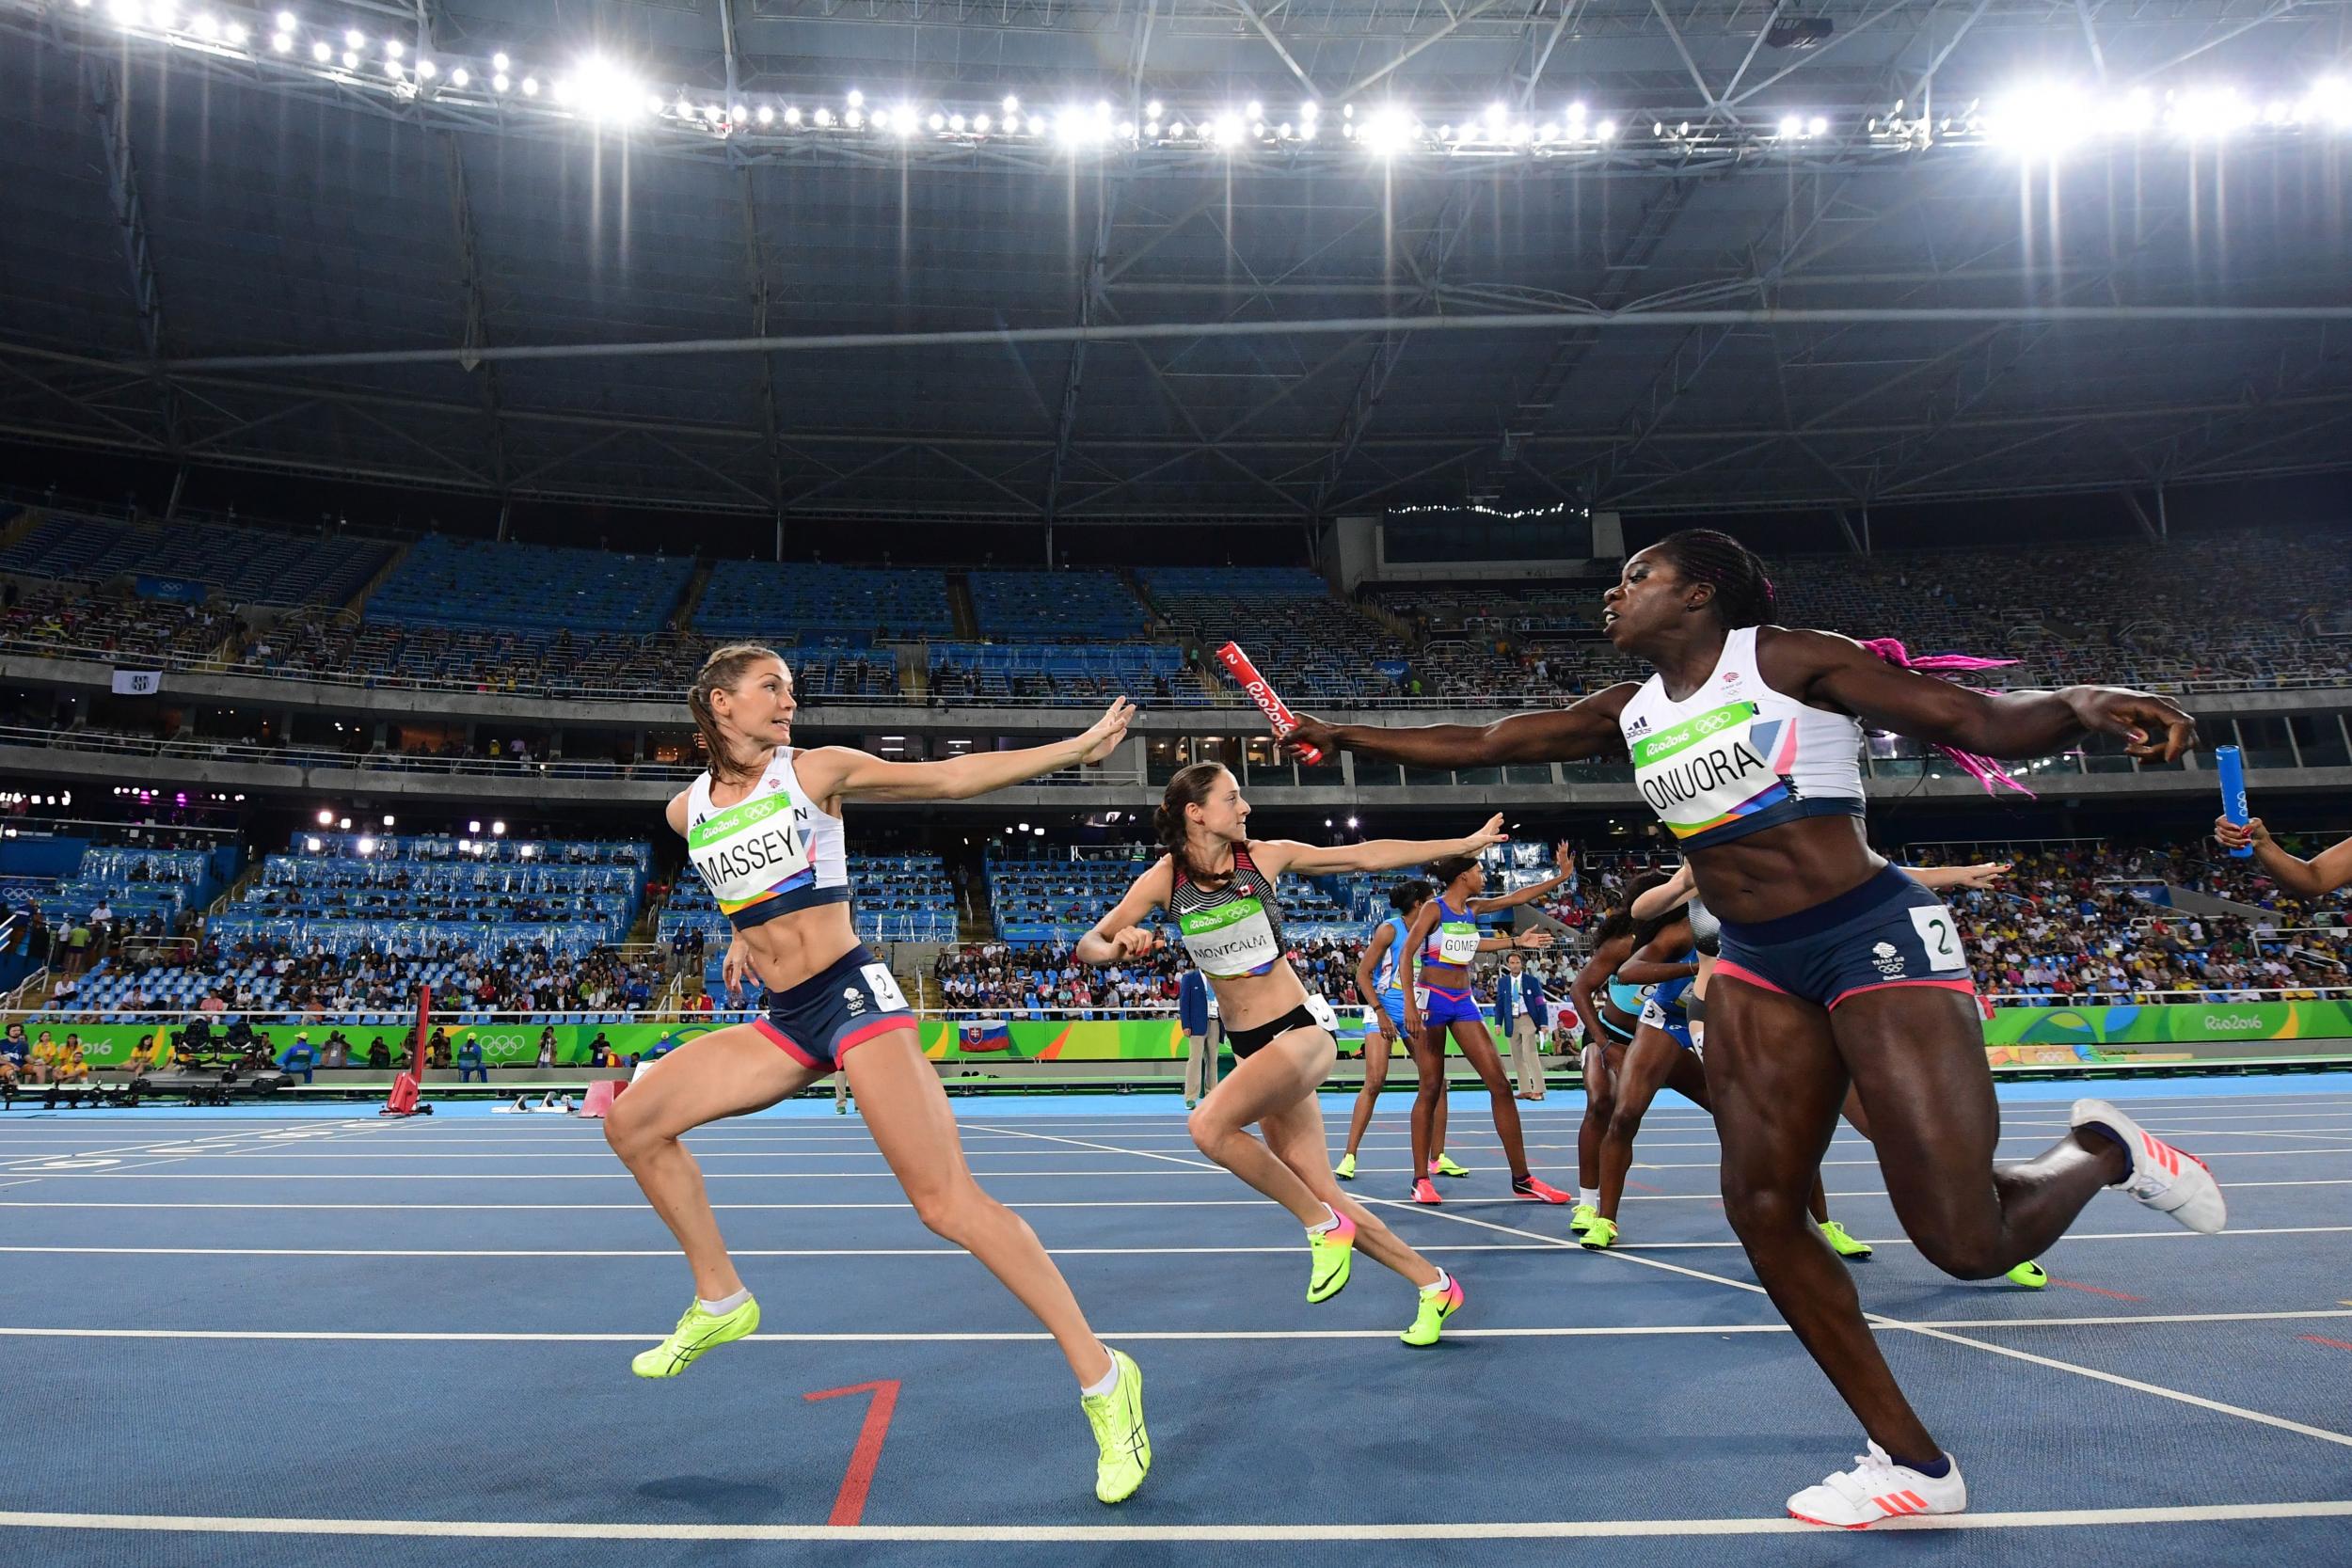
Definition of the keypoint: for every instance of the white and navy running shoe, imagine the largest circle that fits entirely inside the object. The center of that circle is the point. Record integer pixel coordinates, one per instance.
(2167, 1180)
(1878, 1488)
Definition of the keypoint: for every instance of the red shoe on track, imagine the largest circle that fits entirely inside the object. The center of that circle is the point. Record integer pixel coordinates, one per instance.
(1425, 1191)
(1536, 1190)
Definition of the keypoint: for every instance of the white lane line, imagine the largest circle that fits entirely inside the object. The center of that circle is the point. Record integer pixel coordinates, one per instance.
(1030, 1336)
(638, 1206)
(1116, 1536)
(671, 1253)
(1878, 1320)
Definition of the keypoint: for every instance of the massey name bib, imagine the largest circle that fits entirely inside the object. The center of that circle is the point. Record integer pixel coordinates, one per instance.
(1706, 770)
(1230, 938)
(748, 849)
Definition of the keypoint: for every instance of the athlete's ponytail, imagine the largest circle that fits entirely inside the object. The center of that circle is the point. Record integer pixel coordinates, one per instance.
(1984, 770)
(720, 672)
(1191, 786)
(1446, 868)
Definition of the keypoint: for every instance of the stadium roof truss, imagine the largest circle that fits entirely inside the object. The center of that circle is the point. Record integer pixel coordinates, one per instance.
(215, 255)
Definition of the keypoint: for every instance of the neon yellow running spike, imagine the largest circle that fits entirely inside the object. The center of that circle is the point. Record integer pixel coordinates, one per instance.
(1345, 1169)
(696, 1332)
(1333, 1252)
(1582, 1215)
(1117, 1418)
(2029, 1275)
(1600, 1236)
(1436, 1307)
(1841, 1244)
(1443, 1164)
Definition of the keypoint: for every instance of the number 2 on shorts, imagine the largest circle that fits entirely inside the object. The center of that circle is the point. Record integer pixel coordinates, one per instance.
(885, 988)
(1933, 923)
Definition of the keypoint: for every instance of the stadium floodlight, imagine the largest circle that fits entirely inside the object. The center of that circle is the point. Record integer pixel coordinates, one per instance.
(286, 22)
(2038, 119)
(344, 822)
(205, 26)
(355, 39)
(1351, 822)
(1817, 125)
(2210, 113)
(531, 87)
(1310, 110)
(1256, 110)
(1154, 110)
(1389, 131)
(499, 83)
(526, 851)
(500, 62)
(824, 116)
(1227, 131)
(313, 845)
(474, 827)
(392, 49)
(2329, 100)
(1023, 827)
(1012, 104)
(767, 114)
(1175, 127)
(459, 77)
(426, 68)
(791, 113)
(281, 42)
(125, 12)
(320, 53)
(956, 122)
(1497, 113)
(365, 847)
(854, 98)
(326, 816)
(1545, 133)
(738, 113)
(387, 820)
(980, 124)
(351, 59)
(853, 119)
(1576, 112)
(498, 829)
(939, 121)
(1791, 126)
(464, 846)
(1605, 130)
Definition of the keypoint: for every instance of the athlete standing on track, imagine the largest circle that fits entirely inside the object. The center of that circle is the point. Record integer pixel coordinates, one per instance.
(1219, 883)
(763, 828)
(1612, 1007)
(1836, 968)
(1384, 1013)
(1443, 940)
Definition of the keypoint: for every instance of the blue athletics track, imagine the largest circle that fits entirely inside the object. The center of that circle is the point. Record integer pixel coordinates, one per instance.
(289, 1337)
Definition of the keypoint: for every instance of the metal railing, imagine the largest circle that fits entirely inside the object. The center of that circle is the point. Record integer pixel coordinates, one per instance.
(671, 690)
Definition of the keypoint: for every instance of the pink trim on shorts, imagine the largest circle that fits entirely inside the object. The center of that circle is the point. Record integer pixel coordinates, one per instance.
(1725, 969)
(1968, 986)
(871, 1031)
(785, 1043)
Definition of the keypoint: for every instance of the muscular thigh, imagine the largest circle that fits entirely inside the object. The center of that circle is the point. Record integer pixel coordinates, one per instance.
(1916, 1056)
(1649, 1061)
(898, 1094)
(1774, 1074)
(727, 1073)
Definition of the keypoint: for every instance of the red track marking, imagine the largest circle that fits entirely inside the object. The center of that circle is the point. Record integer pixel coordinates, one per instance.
(2094, 1289)
(2334, 1344)
(849, 1504)
(1643, 1185)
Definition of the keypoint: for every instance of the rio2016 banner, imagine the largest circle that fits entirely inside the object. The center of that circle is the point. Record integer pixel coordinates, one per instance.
(2014, 1037)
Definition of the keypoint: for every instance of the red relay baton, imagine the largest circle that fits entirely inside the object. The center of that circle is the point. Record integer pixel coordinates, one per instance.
(1278, 712)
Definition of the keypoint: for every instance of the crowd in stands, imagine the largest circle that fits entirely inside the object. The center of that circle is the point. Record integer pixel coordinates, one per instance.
(547, 620)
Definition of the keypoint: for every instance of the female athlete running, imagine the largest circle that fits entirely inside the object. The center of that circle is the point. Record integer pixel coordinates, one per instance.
(1444, 937)
(1219, 883)
(1384, 1016)
(763, 828)
(1835, 967)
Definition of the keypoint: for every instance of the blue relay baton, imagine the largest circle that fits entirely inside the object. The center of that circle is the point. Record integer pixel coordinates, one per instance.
(2231, 764)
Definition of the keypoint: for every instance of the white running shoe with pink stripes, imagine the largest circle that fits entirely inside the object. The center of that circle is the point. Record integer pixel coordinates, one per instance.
(2170, 1180)
(1878, 1488)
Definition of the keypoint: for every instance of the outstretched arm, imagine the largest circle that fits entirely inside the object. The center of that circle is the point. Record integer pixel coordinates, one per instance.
(1122, 933)
(1674, 895)
(1835, 672)
(1583, 989)
(1275, 855)
(1587, 728)
(2325, 872)
(841, 773)
(1652, 966)
(1938, 877)
(1564, 859)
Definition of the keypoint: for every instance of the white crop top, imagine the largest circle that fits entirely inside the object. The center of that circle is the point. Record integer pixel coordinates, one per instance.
(1736, 756)
(771, 853)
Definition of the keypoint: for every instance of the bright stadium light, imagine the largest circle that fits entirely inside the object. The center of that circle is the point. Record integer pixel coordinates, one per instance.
(980, 124)
(388, 821)
(320, 53)
(1227, 131)
(499, 83)
(365, 847)
(351, 59)
(1012, 104)
(954, 122)
(344, 822)
(767, 114)
(1605, 130)
(498, 829)
(281, 42)
(1256, 110)
(325, 817)
(1388, 131)
(474, 827)
(855, 99)
(2038, 119)
(392, 49)
(1817, 125)
(313, 845)
(205, 26)
(605, 90)
(2210, 113)
(427, 69)
(1790, 125)
(1154, 110)
(2329, 100)
(531, 87)
(500, 62)
(355, 39)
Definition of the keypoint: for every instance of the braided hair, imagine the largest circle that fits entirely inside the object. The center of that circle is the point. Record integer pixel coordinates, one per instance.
(1744, 594)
